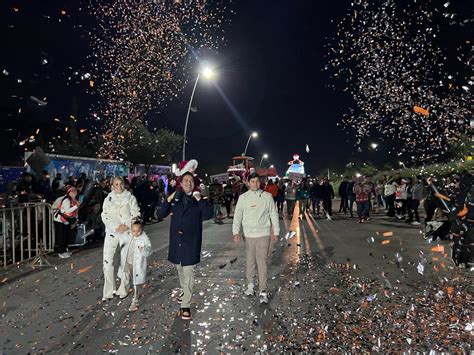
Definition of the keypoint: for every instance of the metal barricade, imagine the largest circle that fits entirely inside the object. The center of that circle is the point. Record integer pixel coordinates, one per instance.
(27, 231)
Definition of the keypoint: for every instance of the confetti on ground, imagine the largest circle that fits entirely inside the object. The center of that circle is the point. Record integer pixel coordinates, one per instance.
(83, 270)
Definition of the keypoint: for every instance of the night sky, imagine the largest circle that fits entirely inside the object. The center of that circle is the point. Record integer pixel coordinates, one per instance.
(270, 80)
(271, 73)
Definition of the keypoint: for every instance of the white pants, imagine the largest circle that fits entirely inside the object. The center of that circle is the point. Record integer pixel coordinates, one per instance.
(125, 283)
(110, 247)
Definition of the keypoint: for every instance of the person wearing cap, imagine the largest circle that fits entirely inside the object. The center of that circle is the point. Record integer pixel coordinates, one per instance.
(188, 210)
(65, 212)
(256, 213)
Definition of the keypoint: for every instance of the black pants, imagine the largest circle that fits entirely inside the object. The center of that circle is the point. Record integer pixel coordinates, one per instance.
(413, 210)
(149, 211)
(63, 234)
(390, 205)
(430, 207)
(344, 204)
(290, 206)
(228, 204)
(280, 205)
(352, 200)
(463, 248)
(327, 204)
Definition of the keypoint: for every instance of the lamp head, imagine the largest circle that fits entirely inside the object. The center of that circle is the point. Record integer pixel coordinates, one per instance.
(207, 73)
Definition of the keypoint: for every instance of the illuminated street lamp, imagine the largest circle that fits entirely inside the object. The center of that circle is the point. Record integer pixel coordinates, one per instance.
(264, 156)
(374, 145)
(207, 73)
(252, 135)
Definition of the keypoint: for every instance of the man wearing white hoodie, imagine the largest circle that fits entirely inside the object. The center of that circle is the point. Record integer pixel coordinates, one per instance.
(257, 214)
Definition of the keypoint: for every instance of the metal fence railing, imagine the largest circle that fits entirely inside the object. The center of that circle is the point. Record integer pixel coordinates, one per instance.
(26, 232)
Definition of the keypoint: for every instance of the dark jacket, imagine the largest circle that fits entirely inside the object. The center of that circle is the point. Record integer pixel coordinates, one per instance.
(186, 228)
(343, 188)
(350, 189)
(316, 191)
(327, 192)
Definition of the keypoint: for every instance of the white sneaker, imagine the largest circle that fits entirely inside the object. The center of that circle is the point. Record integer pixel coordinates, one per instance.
(263, 297)
(250, 290)
(134, 305)
(64, 255)
(415, 223)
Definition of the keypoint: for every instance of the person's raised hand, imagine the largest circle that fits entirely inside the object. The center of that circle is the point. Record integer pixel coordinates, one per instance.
(171, 197)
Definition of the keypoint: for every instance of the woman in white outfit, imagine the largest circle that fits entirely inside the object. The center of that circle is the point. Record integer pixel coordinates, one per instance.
(120, 209)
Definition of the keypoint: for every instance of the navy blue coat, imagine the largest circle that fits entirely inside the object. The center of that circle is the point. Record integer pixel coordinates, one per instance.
(186, 229)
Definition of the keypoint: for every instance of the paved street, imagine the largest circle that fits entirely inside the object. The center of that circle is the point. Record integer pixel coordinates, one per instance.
(336, 286)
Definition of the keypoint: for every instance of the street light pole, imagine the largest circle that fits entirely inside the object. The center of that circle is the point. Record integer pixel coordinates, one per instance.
(254, 135)
(264, 156)
(187, 117)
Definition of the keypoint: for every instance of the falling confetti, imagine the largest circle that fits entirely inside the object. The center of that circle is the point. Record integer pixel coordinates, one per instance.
(421, 110)
(144, 52)
(388, 58)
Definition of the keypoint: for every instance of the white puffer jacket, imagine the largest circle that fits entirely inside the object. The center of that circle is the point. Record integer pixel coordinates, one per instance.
(119, 209)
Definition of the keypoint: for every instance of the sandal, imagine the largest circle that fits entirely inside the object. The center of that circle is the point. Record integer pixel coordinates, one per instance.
(185, 313)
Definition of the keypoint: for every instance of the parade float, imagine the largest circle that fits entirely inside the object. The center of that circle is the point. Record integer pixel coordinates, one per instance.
(296, 169)
(242, 166)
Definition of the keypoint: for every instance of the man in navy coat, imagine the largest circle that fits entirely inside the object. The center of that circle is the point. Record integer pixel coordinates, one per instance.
(188, 212)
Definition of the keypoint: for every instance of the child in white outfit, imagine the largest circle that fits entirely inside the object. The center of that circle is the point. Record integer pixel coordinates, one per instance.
(133, 262)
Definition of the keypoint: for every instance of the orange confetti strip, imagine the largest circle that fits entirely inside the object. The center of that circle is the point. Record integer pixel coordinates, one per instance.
(443, 265)
(450, 290)
(435, 258)
(438, 248)
(421, 110)
(387, 234)
(386, 241)
(91, 83)
(86, 269)
(435, 268)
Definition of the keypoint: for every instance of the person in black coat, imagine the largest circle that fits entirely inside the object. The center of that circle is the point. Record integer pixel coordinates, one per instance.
(343, 195)
(186, 235)
(327, 194)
